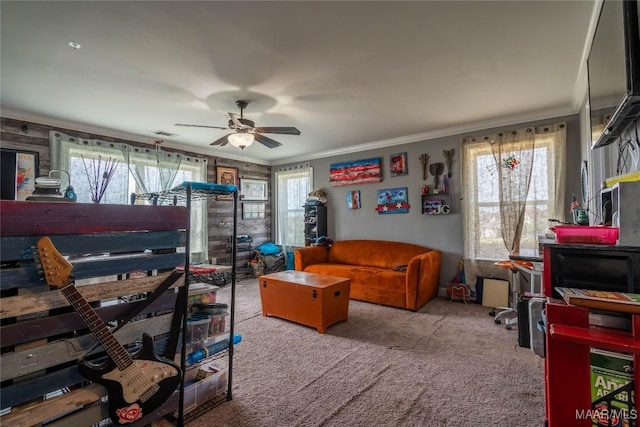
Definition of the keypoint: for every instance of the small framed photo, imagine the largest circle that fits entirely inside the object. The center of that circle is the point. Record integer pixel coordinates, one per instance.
(254, 189)
(398, 164)
(251, 210)
(226, 176)
(353, 199)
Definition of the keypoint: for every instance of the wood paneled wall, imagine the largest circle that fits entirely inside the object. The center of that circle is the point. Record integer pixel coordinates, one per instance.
(23, 135)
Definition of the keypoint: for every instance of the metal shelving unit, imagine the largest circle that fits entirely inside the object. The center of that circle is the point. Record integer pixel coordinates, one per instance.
(188, 192)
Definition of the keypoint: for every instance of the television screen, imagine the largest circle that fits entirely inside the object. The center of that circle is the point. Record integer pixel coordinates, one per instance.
(613, 67)
(607, 71)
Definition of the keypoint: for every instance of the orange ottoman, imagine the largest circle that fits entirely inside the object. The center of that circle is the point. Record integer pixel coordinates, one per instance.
(310, 299)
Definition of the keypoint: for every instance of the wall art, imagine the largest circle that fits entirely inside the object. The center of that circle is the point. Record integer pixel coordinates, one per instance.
(252, 210)
(355, 172)
(353, 199)
(226, 176)
(19, 172)
(393, 201)
(398, 164)
(254, 189)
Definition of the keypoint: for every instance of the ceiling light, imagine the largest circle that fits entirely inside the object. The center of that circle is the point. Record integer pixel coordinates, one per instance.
(241, 140)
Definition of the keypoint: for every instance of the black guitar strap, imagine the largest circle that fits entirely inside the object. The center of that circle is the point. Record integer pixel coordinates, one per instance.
(166, 284)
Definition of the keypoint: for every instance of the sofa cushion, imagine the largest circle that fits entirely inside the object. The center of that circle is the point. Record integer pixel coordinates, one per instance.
(374, 253)
(371, 277)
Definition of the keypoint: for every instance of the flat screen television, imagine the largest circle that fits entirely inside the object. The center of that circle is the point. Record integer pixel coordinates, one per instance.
(613, 67)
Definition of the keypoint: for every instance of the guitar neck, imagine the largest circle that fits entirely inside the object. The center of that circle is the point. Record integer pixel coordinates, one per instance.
(116, 352)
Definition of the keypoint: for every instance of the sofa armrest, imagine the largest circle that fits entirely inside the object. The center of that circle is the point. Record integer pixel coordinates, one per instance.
(308, 255)
(423, 277)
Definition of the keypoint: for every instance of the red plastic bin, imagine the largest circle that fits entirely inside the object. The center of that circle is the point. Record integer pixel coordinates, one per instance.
(599, 235)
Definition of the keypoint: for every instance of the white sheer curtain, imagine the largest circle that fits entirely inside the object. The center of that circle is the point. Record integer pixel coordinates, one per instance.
(292, 187)
(513, 183)
(153, 169)
(139, 170)
(513, 156)
(81, 158)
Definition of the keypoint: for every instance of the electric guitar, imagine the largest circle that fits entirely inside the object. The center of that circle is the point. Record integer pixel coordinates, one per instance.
(137, 384)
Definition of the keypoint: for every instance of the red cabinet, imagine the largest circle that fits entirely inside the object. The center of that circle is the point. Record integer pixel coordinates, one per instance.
(573, 332)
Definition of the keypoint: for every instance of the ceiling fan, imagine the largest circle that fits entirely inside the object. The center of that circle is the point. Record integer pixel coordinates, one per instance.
(245, 132)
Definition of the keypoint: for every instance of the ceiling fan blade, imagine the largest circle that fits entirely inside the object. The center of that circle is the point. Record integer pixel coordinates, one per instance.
(268, 142)
(280, 130)
(221, 141)
(200, 126)
(234, 118)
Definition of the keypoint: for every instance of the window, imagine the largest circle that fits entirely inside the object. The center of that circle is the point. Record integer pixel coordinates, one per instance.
(493, 198)
(292, 188)
(85, 160)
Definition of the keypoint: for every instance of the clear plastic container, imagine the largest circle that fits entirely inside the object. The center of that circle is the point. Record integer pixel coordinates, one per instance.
(599, 235)
(201, 293)
(198, 330)
(218, 324)
(203, 389)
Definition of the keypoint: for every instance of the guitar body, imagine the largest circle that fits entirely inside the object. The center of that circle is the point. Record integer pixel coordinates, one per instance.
(139, 389)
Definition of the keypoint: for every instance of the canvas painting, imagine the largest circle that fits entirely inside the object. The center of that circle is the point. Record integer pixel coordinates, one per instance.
(393, 201)
(25, 175)
(355, 172)
(18, 173)
(353, 199)
(398, 164)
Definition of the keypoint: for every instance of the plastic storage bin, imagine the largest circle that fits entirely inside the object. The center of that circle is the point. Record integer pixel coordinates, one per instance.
(602, 235)
(210, 309)
(198, 330)
(198, 392)
(201, 293)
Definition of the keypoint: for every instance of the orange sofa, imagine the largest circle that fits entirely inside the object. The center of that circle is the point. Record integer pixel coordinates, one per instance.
(390, 273)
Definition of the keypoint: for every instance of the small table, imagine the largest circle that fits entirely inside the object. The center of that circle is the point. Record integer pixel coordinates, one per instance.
(309, 299)
(531, 265)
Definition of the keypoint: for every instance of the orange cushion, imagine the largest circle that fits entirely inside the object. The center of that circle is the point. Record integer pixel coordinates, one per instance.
(359, 275)
(374, 253)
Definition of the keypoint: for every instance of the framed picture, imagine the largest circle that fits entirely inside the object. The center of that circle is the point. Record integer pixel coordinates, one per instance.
(226, 176)
(252, 210)
(398, 164)
(393, 201)
(364, 171)
(254, 189)
(19, 170)
(353, 199)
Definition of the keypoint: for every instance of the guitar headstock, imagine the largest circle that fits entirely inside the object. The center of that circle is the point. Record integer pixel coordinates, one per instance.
(56, 269)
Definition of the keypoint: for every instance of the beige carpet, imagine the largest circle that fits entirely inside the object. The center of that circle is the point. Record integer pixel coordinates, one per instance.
(446, 365)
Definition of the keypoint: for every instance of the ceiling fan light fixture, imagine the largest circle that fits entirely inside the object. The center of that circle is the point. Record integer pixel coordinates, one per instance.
(241, 140)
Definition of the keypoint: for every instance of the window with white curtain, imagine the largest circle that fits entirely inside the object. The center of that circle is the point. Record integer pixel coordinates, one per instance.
(292, 187)
(532, 203)
(136, 171)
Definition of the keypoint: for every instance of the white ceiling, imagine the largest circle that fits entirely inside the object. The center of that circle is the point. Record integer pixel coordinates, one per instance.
(349, 75)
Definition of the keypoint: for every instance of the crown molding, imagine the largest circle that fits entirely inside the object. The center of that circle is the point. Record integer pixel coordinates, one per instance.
(112, 133)
(438, 133)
